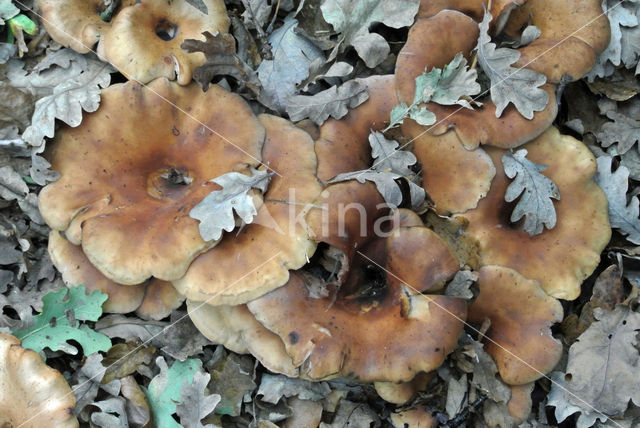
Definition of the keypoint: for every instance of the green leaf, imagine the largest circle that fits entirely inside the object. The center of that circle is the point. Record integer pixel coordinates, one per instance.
(23, 22)
(452, 85)
(58, 323)
(164, 389)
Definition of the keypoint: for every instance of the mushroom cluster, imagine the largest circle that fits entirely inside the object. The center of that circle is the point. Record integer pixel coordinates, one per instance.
(32, 394)
(140, 38)
(370, 306)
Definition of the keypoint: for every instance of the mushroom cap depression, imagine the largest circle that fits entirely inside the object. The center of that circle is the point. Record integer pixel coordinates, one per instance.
(32, 394)
(372, 329)
(76, 23)
(144, 41)
(258, 258)
(559, 258)
(129, 178)
(153, 299)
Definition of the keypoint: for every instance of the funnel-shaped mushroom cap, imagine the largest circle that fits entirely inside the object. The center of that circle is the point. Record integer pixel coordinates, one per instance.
(258, 258)
(455, 178)
(238, 330)
(343, 145)
(154, 299)
(377, 328)
(129, 178)
(521, 315)
(76, 23)
(434, 42)
(560, 258)
(32, 394)
(144, 41)
(574, 33)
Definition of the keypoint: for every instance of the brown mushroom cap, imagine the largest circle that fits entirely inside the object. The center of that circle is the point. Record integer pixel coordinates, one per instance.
(417, 417)
(32, 394)
(340, 335)
(455, 178)
(521, 315)
(154, 299)
(258, 258)
(574, 33)
(343, 145)
(76, 23)
(120, 187)
(434, 42)
(400, 393)
(144, 41)
(238, 330)
(560, 258)
(520, 403)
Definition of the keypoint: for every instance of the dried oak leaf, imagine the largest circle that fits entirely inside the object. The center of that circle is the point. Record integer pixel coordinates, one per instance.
(215, 211)
(335, 102)
(624, 130)
(196, 404)
(353, 18)
(519, 86)
(622, 215)
(221, 60)
(537, 190)
(599, 368)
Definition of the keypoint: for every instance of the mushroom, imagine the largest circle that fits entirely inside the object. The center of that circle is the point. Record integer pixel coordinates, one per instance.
(32, 394)
(258, 258)
(125, 196)
(237, 329)
(562, 257)
(521, 315)
(79, 24)
(154, 299)
(144, 40)
(339, 335)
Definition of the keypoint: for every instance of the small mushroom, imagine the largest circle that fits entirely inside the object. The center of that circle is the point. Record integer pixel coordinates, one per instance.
(559, 258)
(32, 394)
(154, 299)
(339, 335)
(79, 24)
(400, 393)
(144, 40)
(258, 258)
(521, 315)
(125, 195)
(237, 329)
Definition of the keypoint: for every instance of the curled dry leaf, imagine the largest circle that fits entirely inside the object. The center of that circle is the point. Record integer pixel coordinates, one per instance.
(518, 86)
(215, 212)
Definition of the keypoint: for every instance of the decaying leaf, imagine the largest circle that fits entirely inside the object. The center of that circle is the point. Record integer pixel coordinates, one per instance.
(537, 190)
(453, 84)
(460, 285)
(58, 323)
(221, 60)
(112, 413)
(164, 389)
(353, 415)
(519, 86)
(624, 130)
(68, 100)
(623, 215)
(623, 46)
(335, 102)
(353, 19)
(196, 404)
(7, 10)
(124, 358)
(274, 387)
(215, 211)
(600, 367)
(292, 55)
(12, 186)
(457, 392)
(485, 375)
(199, 4)
(390, 164)
(232, 379)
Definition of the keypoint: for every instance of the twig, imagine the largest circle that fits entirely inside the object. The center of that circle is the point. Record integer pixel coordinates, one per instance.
(266, 47)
